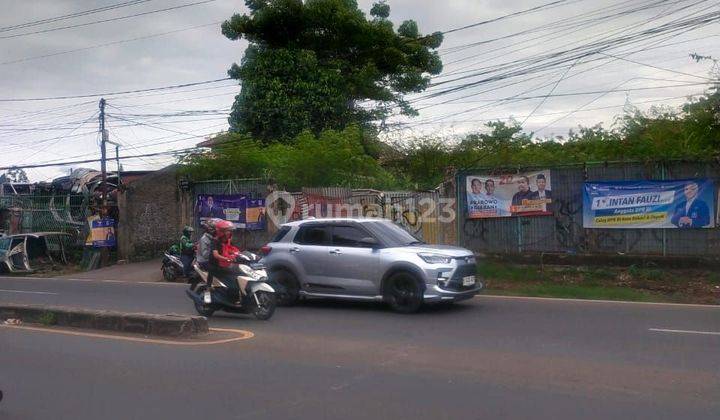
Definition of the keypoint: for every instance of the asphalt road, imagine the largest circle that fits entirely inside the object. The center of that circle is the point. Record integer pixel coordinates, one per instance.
(487, 358)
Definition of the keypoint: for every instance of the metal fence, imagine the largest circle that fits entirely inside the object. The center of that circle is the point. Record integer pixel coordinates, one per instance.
(45, 213)
(563, 232)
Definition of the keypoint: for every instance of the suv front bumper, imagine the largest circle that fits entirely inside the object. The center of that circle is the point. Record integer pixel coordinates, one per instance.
(435, 293)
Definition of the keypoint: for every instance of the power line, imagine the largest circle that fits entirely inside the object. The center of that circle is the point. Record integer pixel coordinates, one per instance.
(80, 25)
(550, 92)
(107, 44)
(509, 15)
(72, 15)
(92, 95)
(77, 162)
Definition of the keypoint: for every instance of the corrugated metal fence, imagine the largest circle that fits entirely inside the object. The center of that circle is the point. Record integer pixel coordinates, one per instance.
(415, 211)
(564, 232)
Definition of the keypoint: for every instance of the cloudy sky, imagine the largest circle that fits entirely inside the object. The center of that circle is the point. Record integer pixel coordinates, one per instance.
(574, 62)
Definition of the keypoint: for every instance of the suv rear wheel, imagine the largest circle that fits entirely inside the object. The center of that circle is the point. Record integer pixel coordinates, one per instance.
(403, 292)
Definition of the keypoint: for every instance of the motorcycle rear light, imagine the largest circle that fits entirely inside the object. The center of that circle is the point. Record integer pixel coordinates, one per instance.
(265, 250)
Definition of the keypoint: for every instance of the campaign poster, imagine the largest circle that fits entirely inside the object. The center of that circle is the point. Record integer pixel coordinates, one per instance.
(524, 194)
(255, 214)
(103, 233)
(227, 207)
(677, 204)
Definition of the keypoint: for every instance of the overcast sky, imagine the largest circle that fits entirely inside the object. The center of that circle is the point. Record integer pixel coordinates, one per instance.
(185, 46)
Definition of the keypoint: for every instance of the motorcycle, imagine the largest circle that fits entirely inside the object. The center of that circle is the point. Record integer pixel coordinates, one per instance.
(172, 268)
(257, 297)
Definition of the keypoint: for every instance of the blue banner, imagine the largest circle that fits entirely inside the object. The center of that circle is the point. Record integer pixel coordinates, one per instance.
(103, 233)
(685, 204)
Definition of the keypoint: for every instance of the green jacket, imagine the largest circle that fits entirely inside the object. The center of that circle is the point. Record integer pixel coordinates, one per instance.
(186, 245)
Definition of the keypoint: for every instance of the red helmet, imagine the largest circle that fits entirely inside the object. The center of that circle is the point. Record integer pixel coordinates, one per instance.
(221, 226)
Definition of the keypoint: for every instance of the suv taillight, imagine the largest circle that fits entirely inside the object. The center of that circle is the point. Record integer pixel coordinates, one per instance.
(265, 250)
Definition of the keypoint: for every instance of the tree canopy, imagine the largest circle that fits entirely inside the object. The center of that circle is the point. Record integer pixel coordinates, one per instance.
(322, 64)
(14, 175)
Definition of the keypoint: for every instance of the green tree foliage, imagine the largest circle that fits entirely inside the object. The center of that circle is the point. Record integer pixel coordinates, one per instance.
(14, 175)
(334, 158)
(322, 64)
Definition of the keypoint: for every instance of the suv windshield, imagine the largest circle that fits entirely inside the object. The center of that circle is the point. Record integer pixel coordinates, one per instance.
(391, 234)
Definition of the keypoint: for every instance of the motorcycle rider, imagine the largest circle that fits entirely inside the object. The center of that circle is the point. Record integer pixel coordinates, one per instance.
(187, 250)
(221, 264)
(204, 251)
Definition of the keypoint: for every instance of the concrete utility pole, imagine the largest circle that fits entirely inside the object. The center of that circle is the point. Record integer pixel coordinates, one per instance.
(103, 153)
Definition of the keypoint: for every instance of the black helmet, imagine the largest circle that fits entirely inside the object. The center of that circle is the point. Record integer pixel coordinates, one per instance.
(208, 226)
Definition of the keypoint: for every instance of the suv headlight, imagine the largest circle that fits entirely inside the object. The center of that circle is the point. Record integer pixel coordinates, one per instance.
(435, 258)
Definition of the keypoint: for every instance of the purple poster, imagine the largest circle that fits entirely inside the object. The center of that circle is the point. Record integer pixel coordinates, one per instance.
(227, 207)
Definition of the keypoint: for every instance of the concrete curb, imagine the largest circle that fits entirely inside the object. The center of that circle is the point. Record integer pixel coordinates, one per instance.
(171, 325)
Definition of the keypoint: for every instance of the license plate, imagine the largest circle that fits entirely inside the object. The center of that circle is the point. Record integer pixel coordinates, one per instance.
(468, 280)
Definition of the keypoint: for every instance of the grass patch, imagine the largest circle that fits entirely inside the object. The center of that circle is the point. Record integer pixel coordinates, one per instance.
(47, 319)
(585, 292)
(714, 278)
(635, 283)
(509, 272)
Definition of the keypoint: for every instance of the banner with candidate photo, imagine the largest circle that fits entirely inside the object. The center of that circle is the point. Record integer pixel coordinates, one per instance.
(684, 204)
(102, 232)
(219, 206)
(255, 214)
(523, 194)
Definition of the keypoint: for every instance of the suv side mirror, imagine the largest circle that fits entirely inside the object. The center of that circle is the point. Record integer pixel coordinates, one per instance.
(369, 242)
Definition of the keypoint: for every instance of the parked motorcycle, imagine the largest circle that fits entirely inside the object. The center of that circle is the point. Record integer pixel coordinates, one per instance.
(257, 297)
(172, 267)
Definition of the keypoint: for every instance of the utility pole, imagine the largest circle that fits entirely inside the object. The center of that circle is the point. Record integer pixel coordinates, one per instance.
(103, 153)
(117, 159)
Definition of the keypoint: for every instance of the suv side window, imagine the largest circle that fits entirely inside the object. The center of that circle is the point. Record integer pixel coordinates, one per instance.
(280, 234)
(313, 235)
(348, 236)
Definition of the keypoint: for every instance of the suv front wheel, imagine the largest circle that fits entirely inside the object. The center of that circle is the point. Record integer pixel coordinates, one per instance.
(403, 292)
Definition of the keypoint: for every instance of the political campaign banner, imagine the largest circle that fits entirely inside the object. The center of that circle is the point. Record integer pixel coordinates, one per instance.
(255, 214)
(683, 204)
(103, 233)
(523, 194)
(227, 207)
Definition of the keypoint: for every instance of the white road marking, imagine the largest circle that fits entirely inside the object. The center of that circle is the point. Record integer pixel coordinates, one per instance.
(28, 292)
(156, 283)
(684, 331)
(623, 302)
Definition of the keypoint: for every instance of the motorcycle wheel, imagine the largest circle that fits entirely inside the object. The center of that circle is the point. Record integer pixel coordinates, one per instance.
(205, 310)
(268, 303)
(169, 274)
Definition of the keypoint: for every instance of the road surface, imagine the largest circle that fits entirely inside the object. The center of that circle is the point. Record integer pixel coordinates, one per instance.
(488, 358)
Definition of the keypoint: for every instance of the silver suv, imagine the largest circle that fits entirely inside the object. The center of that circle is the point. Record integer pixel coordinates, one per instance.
(367, 259)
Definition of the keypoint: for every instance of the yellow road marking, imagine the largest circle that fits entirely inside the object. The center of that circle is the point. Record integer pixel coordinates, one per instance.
(242, 335)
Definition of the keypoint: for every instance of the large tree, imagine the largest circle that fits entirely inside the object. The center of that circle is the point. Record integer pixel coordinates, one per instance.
(14, 175)
(322, 64)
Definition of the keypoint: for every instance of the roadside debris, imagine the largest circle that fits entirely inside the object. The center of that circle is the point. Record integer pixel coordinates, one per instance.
(12, 321)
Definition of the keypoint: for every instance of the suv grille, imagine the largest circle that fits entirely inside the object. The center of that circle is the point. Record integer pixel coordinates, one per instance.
(456, 282)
